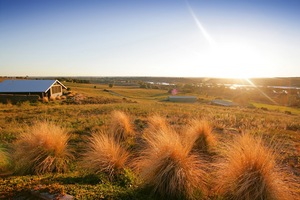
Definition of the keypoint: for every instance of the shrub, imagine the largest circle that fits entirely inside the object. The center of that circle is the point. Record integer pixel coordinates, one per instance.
(45, 99)
(52, 98)
(248, 172)
(199, 136)
(120, 126)
(168, 167)
(42, 148)
(105, 154)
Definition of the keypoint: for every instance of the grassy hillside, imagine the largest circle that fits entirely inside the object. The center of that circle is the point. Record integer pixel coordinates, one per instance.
(88, 111)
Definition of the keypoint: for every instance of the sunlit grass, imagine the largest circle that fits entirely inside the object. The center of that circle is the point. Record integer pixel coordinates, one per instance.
(155, 124)
(278, 108)
(121, 127)
(4, 160)
(42, 148)
(105, 154)
(81, 120)
(248, 170)
(168, 166)
(199, 136)
(142, 94)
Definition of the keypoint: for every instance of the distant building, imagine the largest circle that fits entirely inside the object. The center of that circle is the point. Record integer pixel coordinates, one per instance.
(42, 88)
(220, 102)
(189, 99)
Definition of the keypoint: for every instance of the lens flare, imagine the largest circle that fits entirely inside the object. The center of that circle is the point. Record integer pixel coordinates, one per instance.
(200, 26)
(251, 83)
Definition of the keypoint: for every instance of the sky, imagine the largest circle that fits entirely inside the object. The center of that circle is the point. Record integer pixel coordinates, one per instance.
(176, 38)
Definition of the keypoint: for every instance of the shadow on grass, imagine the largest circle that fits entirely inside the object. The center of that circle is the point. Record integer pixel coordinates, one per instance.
(90, 179)
(136, 194)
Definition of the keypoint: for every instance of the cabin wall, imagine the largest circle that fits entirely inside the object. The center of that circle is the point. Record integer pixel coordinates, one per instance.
(16, 98)
(40, 94)
(55, 91)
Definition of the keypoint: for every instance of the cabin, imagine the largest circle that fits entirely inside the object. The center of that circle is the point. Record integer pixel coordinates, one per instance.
(189, 99)
(30, 88)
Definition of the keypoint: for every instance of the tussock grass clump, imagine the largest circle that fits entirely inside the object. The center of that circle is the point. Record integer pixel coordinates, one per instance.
(45, 99)
(120, 126)
(168, 167)
(42, 148)
(157, 124)
(248, 172)
(4, 160)
(199, 136)
(105, 154)
(52, 98)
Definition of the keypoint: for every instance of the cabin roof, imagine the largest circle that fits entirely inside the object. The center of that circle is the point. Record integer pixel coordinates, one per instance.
(18, 86)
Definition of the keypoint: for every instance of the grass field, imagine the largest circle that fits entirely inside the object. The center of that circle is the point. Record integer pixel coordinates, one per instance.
(91, 113)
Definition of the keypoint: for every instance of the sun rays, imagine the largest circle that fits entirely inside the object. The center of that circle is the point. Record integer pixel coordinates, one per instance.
(205, 33)
(234, 57)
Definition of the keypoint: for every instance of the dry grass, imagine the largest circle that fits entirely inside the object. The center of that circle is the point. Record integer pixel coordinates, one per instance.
(198, 135)
(157, 124)
(42, 148)
(52, 98)
(45, 99)
(248, 171)
(104, 154)
(120, 126)
(168, 167)
(4, 160)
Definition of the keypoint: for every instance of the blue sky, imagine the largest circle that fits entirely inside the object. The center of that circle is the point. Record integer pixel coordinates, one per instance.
(195, 38)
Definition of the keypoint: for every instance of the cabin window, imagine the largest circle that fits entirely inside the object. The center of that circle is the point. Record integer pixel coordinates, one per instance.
(56, 89)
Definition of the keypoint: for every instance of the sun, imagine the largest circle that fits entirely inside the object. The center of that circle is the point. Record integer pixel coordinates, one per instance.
(236, 60)
(233, 59)
(232, 56)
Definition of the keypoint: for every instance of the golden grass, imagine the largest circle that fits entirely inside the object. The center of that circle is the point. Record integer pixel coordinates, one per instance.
(4, 160)
(104, 154)
(168, 167)
(199, 136)
(157, 124)
(45, 99)
(120, 126)
(248, 171)
(42, 148)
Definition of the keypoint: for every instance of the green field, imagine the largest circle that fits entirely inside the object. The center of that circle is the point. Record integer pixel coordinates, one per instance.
(90, 111)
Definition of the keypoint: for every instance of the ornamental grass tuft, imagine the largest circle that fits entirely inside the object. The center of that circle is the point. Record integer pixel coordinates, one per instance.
(248, 171)
(199, 136)
(169, 168)
(42, 148)
(105, 155)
